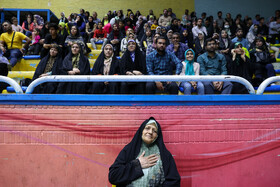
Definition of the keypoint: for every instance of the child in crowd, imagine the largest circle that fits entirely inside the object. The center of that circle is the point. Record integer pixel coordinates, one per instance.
(154, 25)
(34, 47)
(99, 35)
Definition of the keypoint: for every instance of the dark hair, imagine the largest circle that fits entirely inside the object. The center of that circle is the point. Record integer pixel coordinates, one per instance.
(176, 33)
(209, 40)
(38, 30)
(55, 46)
(239, 29)
(220, 12)
(6, 21)
(13, 18)
(173, 19)
(53, 25)
(200, 19)
(160, 38)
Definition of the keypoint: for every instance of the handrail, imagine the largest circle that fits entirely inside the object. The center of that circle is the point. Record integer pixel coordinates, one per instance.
(265, 83)
(140, 78)
(11, 82)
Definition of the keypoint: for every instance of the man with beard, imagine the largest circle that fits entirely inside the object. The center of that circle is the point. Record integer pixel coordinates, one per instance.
(164, 20)
(160, 62)
(239, 38)
(177, 47)
(212, 63)
(13, 41)
(199, 28)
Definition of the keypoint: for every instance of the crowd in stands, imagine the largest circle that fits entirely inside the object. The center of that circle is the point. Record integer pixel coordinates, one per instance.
(148, 45)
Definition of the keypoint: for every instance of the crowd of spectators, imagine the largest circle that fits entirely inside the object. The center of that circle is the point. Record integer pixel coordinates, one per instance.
(148, 45)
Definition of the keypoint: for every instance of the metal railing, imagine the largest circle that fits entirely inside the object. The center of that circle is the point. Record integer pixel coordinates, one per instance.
(267, 82)
(11, 82)
(141, 78)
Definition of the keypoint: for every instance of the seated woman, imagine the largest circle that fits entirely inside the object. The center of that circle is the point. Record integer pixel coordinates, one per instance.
(186, 38)
(199, 44)
(90, 28)
(62, 30)
(145, 161)
(75, 63)
(239, 65)
(105, 64)
(261, 61)
(146, 40)
(28, 25)
(49, 65)
(133, 62)
(75, 37)
(129, 36)
(224, 44)
(191, 68)
(81, 25)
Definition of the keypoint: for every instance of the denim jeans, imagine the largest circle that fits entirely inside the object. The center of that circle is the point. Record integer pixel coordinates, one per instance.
(15, 54)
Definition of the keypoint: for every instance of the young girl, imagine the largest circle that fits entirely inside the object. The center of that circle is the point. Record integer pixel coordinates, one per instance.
(191, 68)
(154, 25)
(35, 47)
(146, 39)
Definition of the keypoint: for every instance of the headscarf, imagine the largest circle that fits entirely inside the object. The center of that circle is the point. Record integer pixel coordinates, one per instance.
(98, 68)
(238, 56)
(39, 19)
(139, 63)
(62, 24)
(131, 151)
(108, 61)
(189, 64)
(152, 175)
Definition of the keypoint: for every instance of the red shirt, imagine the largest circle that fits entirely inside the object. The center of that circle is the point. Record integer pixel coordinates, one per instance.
(100, 33)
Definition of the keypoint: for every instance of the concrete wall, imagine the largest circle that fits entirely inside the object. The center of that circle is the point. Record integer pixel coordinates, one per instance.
(249, 7)
(100, 6)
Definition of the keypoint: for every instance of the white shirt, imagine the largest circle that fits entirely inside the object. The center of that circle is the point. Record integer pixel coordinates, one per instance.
(196, 30)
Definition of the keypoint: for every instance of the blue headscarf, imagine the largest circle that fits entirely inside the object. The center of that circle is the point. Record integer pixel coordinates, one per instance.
(189, 64)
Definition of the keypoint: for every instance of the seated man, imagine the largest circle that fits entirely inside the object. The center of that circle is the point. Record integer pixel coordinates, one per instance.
(212, 63)
(13, 40)
(53, 38)
(160, 62)
(239, 38)
(274, 30)
(199, 28)
(99, 35)
(177, 47)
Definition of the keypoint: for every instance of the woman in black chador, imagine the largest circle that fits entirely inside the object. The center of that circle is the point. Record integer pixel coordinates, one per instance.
(75, 63)
(49, 65)
(133, 62)
(105, 64)
(239, 65)
(145, 161)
